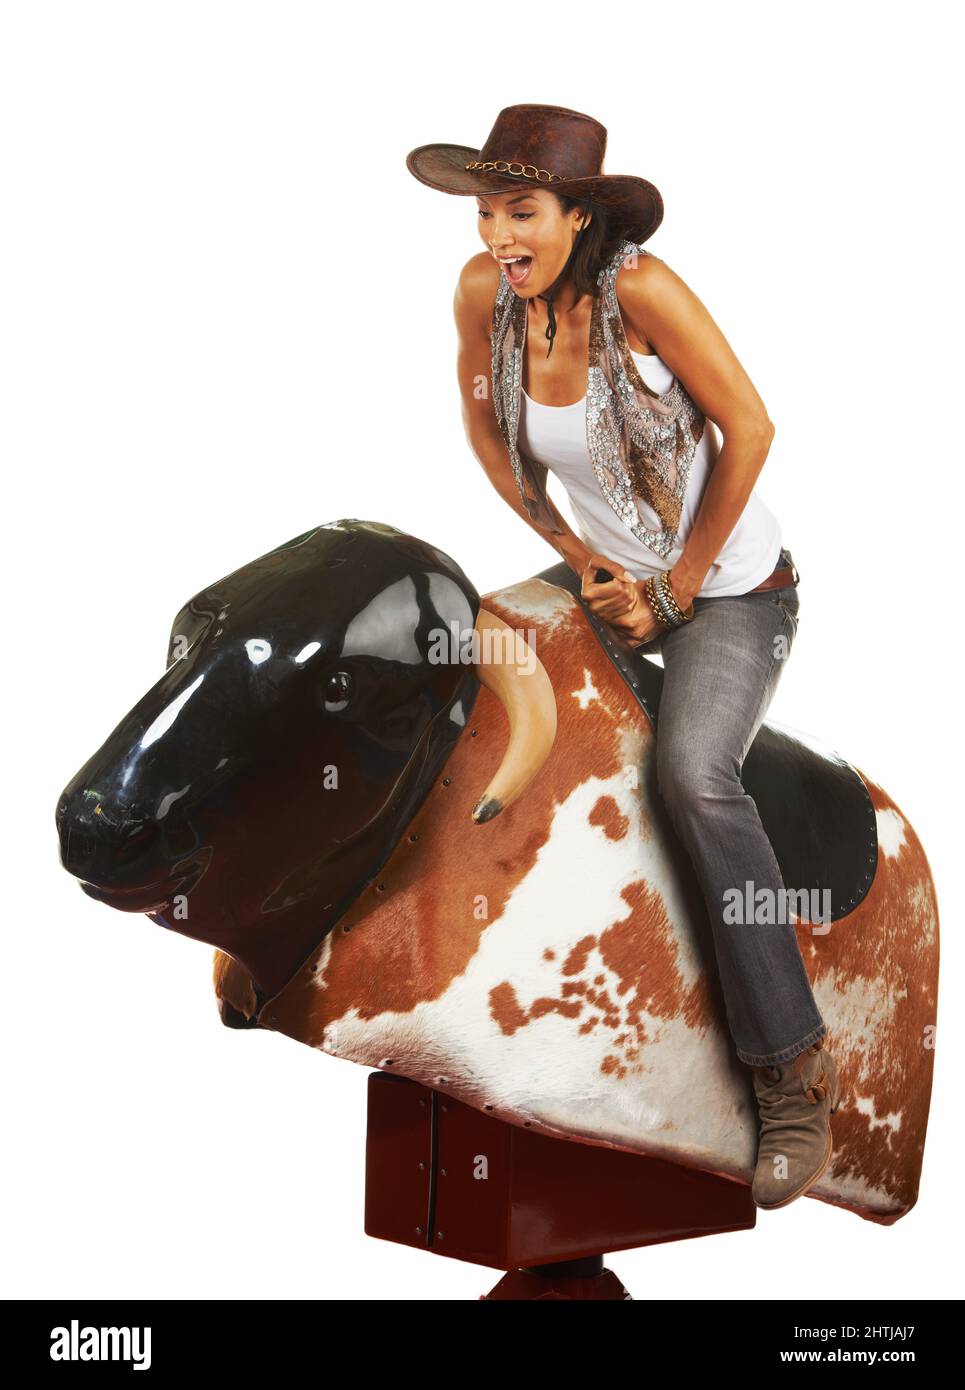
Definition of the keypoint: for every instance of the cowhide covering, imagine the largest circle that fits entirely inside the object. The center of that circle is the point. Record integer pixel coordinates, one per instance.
(555, 966)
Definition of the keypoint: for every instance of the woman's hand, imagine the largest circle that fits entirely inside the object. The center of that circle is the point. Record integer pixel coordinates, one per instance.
(640, 625)
(620, 601)
(623, 604)
(613, 599)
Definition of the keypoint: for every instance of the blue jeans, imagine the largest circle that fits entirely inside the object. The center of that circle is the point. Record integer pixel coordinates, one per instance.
(720, 672)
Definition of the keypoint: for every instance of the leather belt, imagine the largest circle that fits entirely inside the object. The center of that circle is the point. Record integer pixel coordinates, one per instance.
(781, 577)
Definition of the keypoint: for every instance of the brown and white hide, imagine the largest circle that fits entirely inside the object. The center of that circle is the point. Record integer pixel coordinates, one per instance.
(554, 966)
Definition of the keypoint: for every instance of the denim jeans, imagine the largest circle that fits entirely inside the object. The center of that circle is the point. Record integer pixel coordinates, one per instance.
(720, 672)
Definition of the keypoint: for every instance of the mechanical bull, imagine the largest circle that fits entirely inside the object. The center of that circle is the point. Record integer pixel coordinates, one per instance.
(324, 790)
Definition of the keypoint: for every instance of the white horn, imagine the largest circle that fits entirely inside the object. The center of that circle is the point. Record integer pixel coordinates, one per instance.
(510, 668)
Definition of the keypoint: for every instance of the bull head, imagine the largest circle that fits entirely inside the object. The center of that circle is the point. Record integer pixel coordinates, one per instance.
(310, 701)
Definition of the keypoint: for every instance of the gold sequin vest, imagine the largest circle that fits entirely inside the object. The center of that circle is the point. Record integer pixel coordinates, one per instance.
(641, 444)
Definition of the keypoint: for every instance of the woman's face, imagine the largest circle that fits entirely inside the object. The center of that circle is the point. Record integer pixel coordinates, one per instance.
(530, 225)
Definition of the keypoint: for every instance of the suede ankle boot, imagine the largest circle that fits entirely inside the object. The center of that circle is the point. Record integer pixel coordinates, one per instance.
(796, 1100)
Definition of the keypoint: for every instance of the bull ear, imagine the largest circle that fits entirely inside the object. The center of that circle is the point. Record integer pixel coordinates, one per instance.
(510, 668)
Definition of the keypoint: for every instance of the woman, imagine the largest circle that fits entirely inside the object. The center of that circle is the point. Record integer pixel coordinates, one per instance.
(676, 551)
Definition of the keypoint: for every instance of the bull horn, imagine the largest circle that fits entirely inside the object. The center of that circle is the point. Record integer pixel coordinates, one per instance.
(528, 698)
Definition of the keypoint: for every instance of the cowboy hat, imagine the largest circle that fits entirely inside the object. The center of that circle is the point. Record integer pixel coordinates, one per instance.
(550, 146)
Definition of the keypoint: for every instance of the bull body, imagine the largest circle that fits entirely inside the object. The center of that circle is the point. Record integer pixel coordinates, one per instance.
(555, 966)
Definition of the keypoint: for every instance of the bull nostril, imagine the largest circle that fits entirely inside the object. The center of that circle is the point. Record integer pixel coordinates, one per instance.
(101, 843)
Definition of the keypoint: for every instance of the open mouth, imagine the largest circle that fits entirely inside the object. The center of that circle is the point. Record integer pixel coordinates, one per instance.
(516, 268)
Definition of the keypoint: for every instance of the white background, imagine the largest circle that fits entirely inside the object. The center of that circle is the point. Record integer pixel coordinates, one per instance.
(226, 317)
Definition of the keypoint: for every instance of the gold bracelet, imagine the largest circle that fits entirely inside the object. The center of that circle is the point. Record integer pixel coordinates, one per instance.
(674, 606)
(659, 610)
(665, 607)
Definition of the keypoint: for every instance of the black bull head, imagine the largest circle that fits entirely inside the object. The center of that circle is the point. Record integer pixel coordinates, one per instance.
(310, 701)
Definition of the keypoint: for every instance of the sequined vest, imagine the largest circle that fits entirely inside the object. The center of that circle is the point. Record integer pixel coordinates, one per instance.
(641, 444)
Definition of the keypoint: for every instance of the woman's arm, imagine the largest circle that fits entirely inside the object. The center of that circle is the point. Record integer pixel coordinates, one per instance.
(472, 308)
(660, 307)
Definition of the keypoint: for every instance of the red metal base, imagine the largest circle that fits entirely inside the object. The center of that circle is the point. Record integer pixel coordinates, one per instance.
(444, 1177)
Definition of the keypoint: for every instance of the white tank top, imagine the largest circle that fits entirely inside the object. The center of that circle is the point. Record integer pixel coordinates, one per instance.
(556, 436)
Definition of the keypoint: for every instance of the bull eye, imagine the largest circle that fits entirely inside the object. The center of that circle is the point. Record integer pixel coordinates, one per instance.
(338, 691)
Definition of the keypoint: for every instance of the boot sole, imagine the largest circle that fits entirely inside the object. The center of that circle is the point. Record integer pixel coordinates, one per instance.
(809, 1183)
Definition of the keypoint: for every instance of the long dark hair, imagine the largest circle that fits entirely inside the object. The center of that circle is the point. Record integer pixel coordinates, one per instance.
(595, 243)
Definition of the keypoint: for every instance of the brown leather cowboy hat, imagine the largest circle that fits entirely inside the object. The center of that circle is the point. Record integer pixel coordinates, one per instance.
(548, 145)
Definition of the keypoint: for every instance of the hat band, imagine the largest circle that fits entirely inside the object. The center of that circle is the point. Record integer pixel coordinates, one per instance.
(528, 171)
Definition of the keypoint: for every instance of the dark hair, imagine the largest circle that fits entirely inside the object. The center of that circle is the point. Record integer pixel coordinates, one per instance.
(596, 241)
